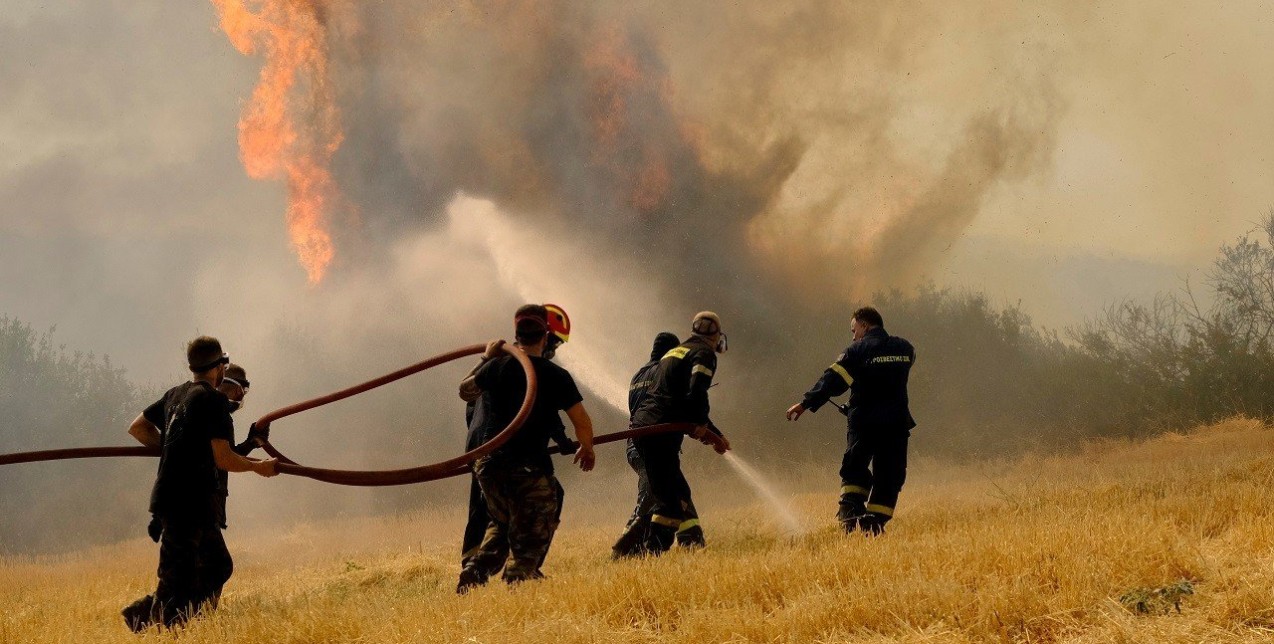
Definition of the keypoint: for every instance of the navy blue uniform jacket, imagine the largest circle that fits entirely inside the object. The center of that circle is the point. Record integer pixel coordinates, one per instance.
(874, 370)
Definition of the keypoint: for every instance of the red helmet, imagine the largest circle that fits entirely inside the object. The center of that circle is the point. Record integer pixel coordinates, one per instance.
(559, 322)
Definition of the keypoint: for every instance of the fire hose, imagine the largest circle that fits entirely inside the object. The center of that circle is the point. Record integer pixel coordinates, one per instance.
(374, 478)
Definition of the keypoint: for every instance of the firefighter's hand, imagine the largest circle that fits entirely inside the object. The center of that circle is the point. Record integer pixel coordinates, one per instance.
(794, 412)
(721, 445)
(266, 467)
(493, 349)
(586, 458)
(259, 435)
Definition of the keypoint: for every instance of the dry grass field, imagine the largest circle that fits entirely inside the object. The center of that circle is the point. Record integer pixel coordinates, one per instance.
(1039, 550)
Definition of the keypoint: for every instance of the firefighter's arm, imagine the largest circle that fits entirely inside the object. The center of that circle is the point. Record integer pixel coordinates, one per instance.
(834, 382)
(712, 436)
(470, 389)
(257, 437)
(145, 432)
(701, 373)
(226, 459)
(583, 424)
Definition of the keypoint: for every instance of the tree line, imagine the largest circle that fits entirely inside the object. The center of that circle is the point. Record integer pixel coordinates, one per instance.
(988, 382)
(994, 383)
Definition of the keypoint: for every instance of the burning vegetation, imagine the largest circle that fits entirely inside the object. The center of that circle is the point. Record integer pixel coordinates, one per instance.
(290, 128)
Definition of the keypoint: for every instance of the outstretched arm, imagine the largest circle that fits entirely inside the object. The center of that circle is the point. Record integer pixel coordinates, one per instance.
(834, 382)
(228, 460)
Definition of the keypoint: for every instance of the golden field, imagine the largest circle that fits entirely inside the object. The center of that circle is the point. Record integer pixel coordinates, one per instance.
(1037, 550)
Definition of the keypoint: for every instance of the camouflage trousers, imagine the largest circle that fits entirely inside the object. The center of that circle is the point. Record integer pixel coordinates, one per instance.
(525, 507)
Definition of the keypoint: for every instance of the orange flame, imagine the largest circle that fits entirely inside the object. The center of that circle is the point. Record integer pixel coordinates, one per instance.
(617, 77)
(293, 36)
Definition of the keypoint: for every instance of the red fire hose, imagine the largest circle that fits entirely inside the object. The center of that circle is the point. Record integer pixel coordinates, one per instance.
(341, 477)
(371, 478)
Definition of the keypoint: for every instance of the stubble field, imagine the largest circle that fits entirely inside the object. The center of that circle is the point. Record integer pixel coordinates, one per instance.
(1038, 550)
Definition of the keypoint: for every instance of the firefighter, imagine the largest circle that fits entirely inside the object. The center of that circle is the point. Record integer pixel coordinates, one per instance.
(216, 570)
(677, 393)
(632, 541)
(191, 424)
(874, 369)
(524, 499)
(478, 519)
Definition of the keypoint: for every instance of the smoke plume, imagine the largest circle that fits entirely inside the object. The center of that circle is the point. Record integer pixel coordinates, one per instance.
(442, 163)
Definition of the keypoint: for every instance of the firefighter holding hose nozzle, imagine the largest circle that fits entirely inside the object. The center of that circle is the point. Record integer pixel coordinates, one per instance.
(192, 427)
(874, 369)
(677, 393)
(632, 542)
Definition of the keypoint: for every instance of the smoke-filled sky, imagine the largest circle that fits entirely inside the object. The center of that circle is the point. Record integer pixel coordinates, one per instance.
(634, 163)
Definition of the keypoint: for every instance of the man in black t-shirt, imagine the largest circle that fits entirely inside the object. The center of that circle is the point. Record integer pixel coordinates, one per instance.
(191, 424)
(475, 528)
(524, 499)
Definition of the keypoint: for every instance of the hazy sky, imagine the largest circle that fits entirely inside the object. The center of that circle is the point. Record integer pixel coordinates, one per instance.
(1054, 154)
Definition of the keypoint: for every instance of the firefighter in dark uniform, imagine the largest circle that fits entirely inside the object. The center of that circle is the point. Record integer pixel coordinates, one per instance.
(874, 369)
(476, 527)
(192, 427)
(633, 540)
(678, 393)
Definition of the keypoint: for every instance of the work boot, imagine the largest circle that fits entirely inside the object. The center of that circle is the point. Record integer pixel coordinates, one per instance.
(659, 538)
(849, 524)
(470, 577)
(632, 542)
(851, 507)
(872, 523)
(692, 537)
(515, 578)
(630, 551)
(137, 615)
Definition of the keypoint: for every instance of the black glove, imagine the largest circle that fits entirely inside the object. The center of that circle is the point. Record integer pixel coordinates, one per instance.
(155, 529)
(257, 435)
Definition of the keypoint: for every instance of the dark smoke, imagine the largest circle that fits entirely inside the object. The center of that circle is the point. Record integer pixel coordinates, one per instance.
(776, 162)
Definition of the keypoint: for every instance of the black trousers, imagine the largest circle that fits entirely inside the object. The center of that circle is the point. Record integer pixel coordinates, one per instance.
(661, 455)
(194, 565)
(873, 470)
(634, 537)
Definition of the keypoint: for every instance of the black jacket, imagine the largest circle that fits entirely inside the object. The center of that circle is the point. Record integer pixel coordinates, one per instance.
(874, 370)
(678, 391)
(639, 387)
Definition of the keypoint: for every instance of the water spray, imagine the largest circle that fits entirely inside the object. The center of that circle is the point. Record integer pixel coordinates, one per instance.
(789, 523)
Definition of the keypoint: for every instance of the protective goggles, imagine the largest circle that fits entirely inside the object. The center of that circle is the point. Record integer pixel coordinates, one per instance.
(200, 368)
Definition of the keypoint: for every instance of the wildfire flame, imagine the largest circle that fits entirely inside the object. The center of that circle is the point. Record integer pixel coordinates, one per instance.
(617, 78)
(294, 87)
